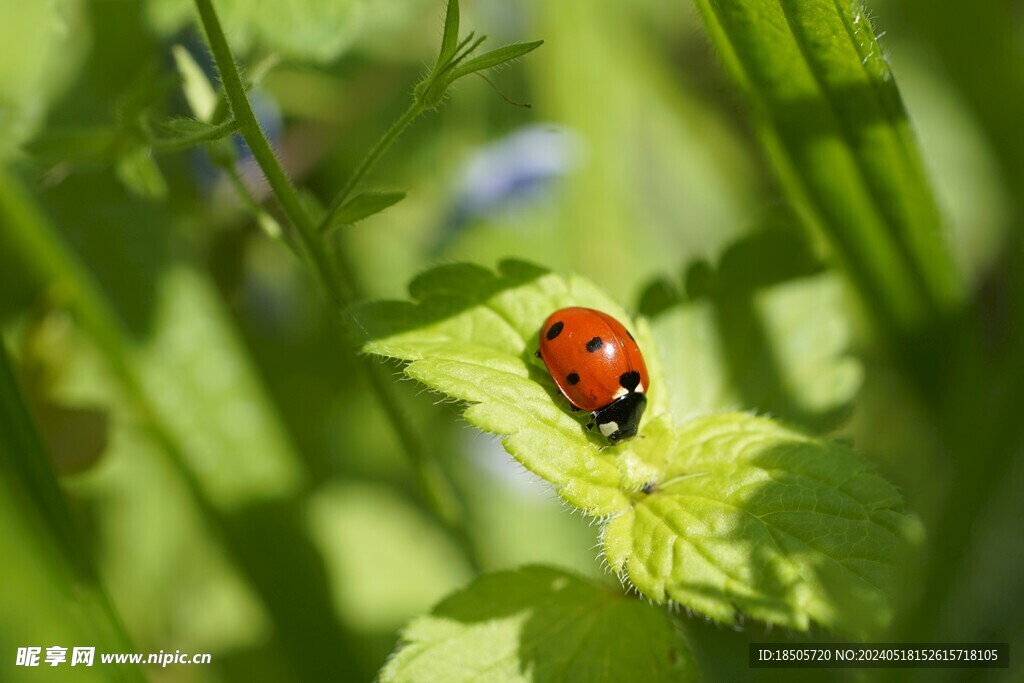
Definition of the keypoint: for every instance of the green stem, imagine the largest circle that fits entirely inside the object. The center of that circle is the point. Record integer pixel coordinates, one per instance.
(393, 133)
(265, 220)
(40, 249)
(38, 246)
(436, 487)
(209, 135)
(32, 499)
(340, 286)
(831, 120)
(430, 477)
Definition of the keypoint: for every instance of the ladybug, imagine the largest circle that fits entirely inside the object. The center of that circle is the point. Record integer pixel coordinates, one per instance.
(597, 365)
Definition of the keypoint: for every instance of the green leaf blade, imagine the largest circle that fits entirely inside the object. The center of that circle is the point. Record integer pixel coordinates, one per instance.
(723, 513)
(764, 327)
(494, 58)
(199, 93)
(472, 336)
(362, 206)
(43, 48)
(450, 38)
(542, 625)
(832, 120)
(753, 517)
(183, 133)
(229, 417)
(59, 592)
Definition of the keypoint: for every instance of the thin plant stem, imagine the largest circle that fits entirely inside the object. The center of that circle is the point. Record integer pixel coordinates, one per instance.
(27, 467)
(339, 283)
(38, 245)
(263, 217)
(208, 135)
(393, 133)
(41, 249)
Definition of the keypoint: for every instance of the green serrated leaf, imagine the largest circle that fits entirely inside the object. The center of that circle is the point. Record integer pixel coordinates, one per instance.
(363, 205)
(791, 529)
(748, 515)
(494, 58)
(450, 40)
(473, 335)
(540, 624)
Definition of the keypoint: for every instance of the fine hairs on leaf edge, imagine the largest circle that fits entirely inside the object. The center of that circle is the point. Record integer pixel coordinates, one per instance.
(603, 520)
(741, 619)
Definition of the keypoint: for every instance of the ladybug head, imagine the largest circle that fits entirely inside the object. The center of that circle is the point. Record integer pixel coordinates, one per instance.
(620, 419)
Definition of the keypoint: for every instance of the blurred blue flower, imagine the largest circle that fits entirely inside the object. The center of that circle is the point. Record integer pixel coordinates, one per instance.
(519, 169)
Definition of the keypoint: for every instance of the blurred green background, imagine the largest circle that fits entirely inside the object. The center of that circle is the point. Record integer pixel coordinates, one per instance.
(227, 470)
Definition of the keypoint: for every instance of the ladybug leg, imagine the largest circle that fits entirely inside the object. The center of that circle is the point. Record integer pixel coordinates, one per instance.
(573, 408)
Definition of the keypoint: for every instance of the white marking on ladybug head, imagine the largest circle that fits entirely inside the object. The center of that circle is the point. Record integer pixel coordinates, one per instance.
(608, 428)
(622, 391)
(639, 388)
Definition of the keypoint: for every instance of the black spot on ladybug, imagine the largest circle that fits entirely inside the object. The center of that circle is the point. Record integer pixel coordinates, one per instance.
(537, 353)
(629, 380)
(555, 330)
(594, 344)
(572, 378)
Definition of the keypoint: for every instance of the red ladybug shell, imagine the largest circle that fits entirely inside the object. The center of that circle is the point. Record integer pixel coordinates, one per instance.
(593, 359)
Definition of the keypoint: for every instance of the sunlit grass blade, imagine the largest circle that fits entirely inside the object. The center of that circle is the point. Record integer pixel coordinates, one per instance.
(831, 118)
(58, 592)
